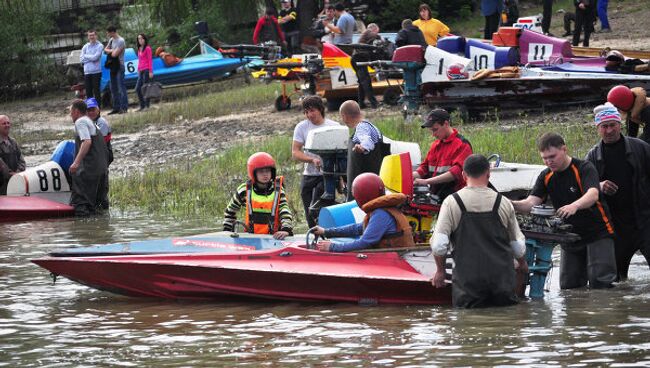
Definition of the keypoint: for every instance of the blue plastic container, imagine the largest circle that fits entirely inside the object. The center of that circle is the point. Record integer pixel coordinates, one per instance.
(486, 56)
(452, 44)
(64, 154)
(340, 214)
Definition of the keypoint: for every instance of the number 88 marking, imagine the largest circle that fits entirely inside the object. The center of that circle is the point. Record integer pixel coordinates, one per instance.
(56, 179)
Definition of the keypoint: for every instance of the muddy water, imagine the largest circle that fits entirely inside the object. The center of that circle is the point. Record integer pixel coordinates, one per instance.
(45, 325)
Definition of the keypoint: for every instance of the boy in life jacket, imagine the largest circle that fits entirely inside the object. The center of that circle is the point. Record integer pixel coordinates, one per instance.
(264, 200)
(385, 226)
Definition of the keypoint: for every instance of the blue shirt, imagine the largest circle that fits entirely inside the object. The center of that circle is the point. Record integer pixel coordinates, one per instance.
(346, 25)
(90, 57)
(381, 223)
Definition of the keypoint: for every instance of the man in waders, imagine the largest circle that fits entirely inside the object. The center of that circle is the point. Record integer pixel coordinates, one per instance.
(623, 165)
(263, 197)
(384, 226)
(481, 228)
(574, 188)
(11, 158)
(90, 162)
(366, 148)
(442, 169)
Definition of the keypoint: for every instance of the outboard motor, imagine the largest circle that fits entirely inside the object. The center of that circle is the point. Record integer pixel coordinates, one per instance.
(331, 144)
(543, 230)
(411, 60)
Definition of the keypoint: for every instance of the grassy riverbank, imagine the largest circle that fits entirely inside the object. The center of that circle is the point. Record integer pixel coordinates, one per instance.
(203, 188)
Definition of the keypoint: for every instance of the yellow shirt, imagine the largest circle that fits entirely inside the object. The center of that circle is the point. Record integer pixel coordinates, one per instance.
(432, 29)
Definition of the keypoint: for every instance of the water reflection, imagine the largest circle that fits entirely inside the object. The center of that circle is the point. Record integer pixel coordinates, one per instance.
(70, 325)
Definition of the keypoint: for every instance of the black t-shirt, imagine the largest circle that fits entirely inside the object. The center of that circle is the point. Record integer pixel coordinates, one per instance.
(619, 171)
(565, 187)
(291, 25)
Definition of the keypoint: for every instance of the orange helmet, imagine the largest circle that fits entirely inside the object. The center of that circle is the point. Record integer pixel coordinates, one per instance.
(621, 97)
(367, 187)
(260, 160)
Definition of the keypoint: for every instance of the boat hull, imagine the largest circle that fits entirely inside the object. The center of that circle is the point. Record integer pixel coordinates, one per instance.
(531, 92)
(31, 208)
(290, 273)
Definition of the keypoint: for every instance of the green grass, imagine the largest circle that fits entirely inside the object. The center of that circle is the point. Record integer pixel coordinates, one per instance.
(200, 106)
(203, 188)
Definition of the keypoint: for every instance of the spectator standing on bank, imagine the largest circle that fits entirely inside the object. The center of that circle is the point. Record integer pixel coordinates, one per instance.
(602, 15)
(409, 35)
(115, 50)
(491, 10)
(288, 21)
(344, 28)
(90, 58)
(430, 27)
(584, 21)
(145, 69)
(268, 29)
(547, 14)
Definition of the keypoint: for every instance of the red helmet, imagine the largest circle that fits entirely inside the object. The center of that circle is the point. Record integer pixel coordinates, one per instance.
(621, 97)
(367, 187)
(260, 160)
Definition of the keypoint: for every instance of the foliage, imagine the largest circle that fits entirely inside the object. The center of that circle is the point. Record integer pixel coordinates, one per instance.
(25, 69)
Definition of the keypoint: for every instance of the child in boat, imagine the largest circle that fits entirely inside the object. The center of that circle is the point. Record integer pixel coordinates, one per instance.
(264, 199)
(385, 226)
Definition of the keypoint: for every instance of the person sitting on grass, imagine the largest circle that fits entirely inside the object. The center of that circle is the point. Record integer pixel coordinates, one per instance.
(264, 198)
(385, 226)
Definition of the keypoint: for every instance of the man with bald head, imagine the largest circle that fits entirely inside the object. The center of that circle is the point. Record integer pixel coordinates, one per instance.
(366, 147)
(11, 159)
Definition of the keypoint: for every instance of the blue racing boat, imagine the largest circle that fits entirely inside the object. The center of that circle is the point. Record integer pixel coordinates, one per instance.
(209, 64)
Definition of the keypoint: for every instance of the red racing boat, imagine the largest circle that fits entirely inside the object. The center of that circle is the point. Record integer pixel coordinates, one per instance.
(290, 273)
(31, 208)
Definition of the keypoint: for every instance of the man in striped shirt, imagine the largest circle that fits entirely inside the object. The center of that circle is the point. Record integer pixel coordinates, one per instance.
(365, 150)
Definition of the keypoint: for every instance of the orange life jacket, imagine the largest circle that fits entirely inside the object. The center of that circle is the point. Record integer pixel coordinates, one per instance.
(263, 211)
(403, 238)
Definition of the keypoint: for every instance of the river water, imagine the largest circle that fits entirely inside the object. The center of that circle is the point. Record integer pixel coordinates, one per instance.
(69, 325)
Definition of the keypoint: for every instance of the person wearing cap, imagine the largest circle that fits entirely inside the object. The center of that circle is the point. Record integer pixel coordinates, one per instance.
(11, 158)
(574, 189)
(288, 21)
(384, 225)
(94, 114)
(481, 227)
(634, 106)
(443, 166)
(623, 165)
(344, 28)
(90, 162)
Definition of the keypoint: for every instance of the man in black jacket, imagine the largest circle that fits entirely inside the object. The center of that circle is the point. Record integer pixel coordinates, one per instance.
(623, 165)
(410, 35)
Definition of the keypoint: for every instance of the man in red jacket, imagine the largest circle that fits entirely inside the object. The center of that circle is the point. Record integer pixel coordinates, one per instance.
(442, 168)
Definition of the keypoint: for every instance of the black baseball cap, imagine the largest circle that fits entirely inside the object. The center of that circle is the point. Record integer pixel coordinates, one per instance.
(435, 116)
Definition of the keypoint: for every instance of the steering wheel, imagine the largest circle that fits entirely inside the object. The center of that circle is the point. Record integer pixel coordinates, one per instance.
(497, 159)
(313, 244)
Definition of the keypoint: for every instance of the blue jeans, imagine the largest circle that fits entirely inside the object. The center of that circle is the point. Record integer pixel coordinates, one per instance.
(602, 14)
(143, 77)
(118, 90)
